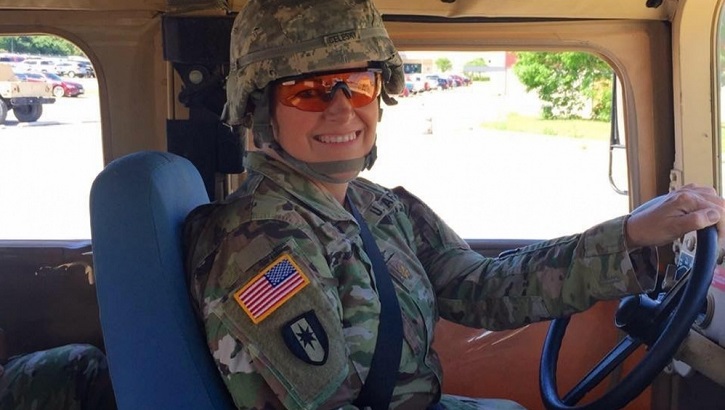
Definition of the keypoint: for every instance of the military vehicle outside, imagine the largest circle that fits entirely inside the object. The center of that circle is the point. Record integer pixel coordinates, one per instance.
(25, 99)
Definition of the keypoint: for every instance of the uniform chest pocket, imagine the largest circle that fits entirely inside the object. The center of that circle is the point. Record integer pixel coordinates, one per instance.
(410, 276)
(417, 301)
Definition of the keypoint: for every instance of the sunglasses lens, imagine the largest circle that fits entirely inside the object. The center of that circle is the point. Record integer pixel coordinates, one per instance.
(315, 92)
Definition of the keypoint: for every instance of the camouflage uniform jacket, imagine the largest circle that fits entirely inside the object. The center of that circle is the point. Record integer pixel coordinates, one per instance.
(69, 377)
(307, 341)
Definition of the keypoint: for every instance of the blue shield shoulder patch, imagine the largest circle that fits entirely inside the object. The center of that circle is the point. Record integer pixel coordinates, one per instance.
(306, 338)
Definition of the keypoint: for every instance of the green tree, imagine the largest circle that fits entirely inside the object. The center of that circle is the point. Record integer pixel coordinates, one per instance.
(444, 64)
(44, 45)
(477, 62)
(566, 81)
(473, 68)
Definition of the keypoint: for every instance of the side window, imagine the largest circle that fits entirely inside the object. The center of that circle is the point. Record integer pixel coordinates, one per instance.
(50, 138)
(506, 145)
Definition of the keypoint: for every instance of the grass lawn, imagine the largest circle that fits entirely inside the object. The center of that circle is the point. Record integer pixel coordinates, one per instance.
(585, 129)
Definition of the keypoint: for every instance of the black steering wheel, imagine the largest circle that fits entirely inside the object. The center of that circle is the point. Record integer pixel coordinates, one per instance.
(660, 324)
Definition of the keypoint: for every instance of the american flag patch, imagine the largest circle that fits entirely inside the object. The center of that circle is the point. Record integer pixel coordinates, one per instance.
(271, 288)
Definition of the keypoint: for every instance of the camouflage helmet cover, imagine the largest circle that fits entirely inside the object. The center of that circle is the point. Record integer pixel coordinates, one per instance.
(273, 39)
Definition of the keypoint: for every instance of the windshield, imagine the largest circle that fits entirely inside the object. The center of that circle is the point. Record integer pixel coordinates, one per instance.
(519, 144)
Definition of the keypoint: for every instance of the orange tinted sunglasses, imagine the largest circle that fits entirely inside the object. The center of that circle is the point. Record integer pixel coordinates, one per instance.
(313, 92)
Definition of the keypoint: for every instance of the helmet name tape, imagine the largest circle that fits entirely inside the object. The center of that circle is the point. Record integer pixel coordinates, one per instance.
(341, 37)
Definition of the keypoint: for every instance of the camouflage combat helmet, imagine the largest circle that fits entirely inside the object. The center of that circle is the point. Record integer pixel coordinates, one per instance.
(273, 39)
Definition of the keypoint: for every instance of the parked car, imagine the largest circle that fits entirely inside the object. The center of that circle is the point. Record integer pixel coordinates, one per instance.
(456, 80)
(64, 88)
(11, 59)
(90, 72)
(440, 81)
(460, 80)
(418, 83)
(408, 89)
(452, 83)
(36, 65)
(73, 69)
(431, 82)
(61, 87)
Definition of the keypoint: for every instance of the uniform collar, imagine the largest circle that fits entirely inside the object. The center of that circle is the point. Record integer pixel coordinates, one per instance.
(303, 188)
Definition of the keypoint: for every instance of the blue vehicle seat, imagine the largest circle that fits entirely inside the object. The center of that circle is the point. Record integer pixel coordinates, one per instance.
(157, 352)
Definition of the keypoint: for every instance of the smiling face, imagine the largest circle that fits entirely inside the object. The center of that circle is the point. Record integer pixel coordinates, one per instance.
(340, 132)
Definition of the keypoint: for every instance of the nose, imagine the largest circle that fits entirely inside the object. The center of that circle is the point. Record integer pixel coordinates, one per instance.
(339, 107)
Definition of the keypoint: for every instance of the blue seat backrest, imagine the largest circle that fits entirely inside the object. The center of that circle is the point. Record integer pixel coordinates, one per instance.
(157, 352)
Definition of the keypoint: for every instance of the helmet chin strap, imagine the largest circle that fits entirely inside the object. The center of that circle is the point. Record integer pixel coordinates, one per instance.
(330, 171)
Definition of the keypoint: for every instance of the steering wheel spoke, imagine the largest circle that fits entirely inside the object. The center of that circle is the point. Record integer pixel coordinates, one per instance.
(601, 370)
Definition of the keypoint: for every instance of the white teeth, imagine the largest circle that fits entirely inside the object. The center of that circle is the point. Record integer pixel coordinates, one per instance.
(337, 139)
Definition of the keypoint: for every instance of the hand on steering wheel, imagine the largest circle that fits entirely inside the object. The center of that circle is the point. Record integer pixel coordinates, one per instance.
(660, 324)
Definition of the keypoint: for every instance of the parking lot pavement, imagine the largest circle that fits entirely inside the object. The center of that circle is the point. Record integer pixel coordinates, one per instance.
(47, 167)
(46, 174)
(489, 183)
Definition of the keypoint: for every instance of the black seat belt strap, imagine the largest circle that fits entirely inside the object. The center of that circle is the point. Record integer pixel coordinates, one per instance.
(380, 382)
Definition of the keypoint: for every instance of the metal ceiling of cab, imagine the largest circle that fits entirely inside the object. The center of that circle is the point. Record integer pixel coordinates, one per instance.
(549, 9)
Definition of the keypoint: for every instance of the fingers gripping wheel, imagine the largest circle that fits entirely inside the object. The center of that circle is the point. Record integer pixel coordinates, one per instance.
(660, 324)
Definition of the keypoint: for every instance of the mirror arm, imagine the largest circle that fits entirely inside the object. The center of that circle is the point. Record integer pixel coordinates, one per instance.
(614, 141)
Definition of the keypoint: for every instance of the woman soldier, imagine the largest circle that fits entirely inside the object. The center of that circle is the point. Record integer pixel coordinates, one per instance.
(319, 289)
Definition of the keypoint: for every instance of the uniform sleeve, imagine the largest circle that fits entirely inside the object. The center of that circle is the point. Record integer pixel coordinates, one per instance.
(246, 385)
(257, 367)
(543, 281)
